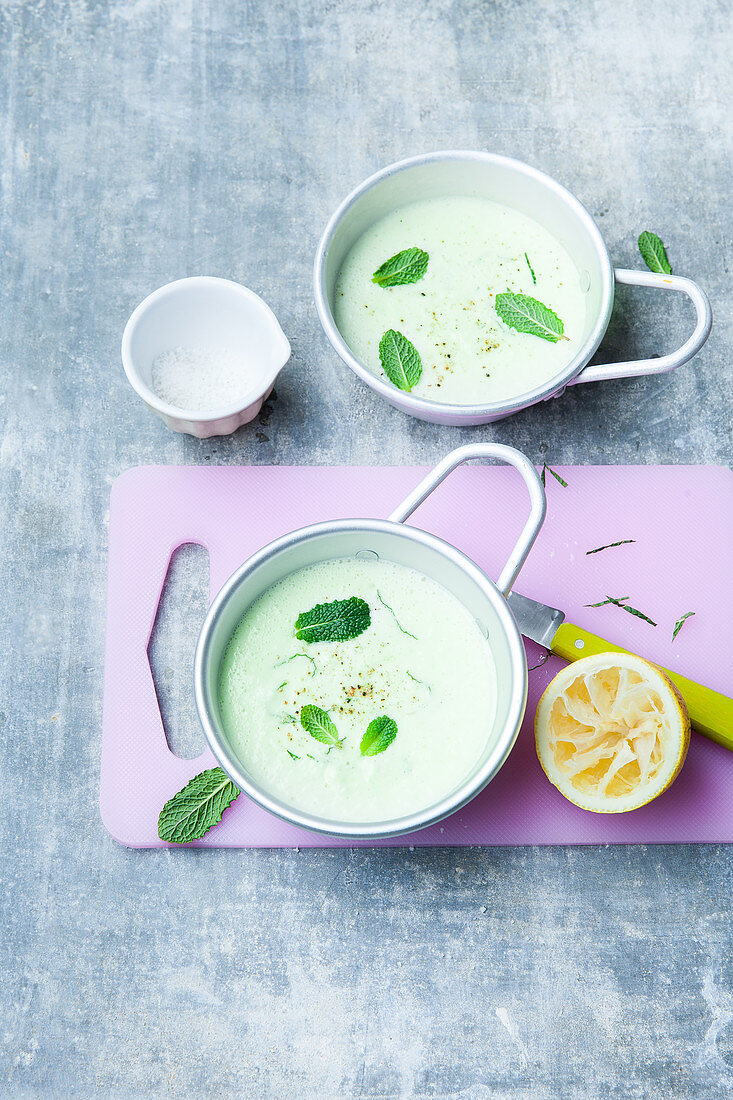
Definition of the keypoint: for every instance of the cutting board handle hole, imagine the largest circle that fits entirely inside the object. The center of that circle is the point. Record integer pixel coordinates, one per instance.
(183, 603)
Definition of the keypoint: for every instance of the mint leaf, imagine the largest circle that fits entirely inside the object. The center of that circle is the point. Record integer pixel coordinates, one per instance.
(653, 253)
(380, 733)
(400, 360)
(337, 621)
(201, 803)
(316, 722)
(405, 267)
(526, 314)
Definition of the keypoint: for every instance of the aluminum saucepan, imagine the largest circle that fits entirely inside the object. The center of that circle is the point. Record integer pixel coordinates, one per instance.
(542, 198)
(394, 541)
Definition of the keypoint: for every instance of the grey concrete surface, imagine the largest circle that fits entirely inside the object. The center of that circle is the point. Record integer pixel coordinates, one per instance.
(148, 139)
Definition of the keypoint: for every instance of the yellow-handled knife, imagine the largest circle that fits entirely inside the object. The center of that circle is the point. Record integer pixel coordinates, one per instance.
(710, 712)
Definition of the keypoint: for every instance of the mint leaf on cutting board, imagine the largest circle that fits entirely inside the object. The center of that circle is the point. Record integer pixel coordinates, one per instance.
(400, 360)
(192, 811)
(380, 733)
(653, 253)
(407, 266)
(529, 315)
(316, 722)
(338, 621)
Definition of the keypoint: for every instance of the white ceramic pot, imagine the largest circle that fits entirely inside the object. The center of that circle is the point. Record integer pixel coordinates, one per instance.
(205, 312)
(523, 188)
(394, 541)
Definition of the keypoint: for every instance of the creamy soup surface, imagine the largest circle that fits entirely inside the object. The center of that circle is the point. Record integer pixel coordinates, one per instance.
(438, 686)
(477, 250)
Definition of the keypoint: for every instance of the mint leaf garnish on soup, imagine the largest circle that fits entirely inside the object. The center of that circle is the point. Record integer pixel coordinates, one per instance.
(405, 267)
(400, 360)
(653, 253)
(316, 722)
(380, 733)
(528, 315)
(337, 621)
(201, 803)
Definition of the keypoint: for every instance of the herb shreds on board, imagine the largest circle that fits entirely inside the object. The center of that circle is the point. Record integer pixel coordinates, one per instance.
(407, 266)
(653, 253)
(192, 811)
(528, 315)
(620, 601)
(555, 474)
(609, 546)
(541, 663)
(681, 622)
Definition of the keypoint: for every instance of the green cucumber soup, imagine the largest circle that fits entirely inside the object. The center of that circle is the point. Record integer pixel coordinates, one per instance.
(477, 249)
(422, 663)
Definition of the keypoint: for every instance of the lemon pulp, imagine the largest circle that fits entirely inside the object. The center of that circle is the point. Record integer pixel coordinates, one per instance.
(612, 732)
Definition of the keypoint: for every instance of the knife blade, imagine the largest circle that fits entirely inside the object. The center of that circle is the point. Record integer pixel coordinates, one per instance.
(711, 713)
(536, 620)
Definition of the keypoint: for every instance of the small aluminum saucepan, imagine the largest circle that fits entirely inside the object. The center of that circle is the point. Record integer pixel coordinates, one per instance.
(393, 541)
(517, 185)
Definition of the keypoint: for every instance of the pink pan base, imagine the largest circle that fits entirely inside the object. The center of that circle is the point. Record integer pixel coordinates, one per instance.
(680, 517)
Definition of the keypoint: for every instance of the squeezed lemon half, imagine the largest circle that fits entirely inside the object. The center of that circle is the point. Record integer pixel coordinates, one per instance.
(612, 732)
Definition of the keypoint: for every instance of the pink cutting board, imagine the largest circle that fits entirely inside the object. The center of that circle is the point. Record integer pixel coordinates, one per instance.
(680, 517)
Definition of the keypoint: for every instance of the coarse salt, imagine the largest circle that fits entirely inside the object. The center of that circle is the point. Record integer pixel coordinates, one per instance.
(200, 379)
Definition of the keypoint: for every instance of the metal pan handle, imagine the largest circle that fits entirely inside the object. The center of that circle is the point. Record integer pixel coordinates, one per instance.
(531, 478)
(704, 319)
